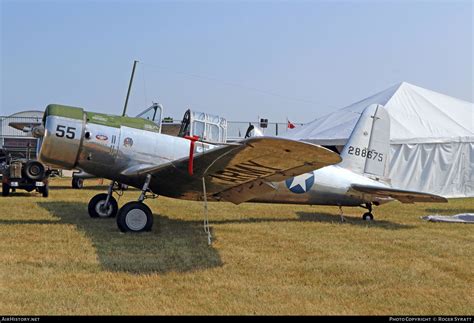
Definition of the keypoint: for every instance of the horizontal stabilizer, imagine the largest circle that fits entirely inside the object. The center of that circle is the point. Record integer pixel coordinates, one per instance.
(401, 195)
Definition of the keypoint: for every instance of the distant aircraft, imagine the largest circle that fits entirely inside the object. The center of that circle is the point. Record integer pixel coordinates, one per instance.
(132, 151)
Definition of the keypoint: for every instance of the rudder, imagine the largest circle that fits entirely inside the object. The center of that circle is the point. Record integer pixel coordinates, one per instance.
(368, 147)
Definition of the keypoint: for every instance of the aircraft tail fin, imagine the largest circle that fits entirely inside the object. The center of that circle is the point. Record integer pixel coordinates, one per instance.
(367, 150)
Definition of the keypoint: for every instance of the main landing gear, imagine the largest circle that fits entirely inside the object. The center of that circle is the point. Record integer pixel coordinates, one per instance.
(368, 216)
(103, 205)
(132, 217)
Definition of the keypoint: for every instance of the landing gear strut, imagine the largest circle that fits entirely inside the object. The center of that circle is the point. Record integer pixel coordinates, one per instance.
(136, 216)
(132, 217)
(368, 216)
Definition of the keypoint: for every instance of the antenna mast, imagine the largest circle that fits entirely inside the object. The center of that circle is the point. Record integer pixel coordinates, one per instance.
(129, 88)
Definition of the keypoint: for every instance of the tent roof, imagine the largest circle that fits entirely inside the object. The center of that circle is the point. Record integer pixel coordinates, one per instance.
(417, 115)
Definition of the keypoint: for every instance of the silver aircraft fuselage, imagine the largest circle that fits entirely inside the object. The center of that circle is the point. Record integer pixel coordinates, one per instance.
(329, 185)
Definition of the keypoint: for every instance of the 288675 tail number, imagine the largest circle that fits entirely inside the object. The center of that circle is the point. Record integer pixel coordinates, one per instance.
(365, 153)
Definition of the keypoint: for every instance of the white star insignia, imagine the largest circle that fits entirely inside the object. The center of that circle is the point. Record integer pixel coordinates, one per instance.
(301, 181)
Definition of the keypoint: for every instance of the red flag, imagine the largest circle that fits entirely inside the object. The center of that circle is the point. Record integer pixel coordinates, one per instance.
(290, 125)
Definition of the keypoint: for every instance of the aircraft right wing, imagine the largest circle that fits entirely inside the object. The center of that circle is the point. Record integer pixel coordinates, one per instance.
(237, 172)
(403, 196)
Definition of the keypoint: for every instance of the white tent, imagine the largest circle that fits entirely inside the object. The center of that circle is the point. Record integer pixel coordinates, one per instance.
(431, 136)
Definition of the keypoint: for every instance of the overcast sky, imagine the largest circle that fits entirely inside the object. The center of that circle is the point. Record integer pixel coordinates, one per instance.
(296, 60)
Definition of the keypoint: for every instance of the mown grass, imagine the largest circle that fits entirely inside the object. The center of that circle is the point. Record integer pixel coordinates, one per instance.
(265, 259)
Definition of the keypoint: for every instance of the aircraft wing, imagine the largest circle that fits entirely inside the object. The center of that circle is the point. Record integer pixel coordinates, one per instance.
(401, 195)
(239, 172)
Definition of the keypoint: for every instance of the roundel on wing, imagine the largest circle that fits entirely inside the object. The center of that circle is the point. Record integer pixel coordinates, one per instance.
(300, 184)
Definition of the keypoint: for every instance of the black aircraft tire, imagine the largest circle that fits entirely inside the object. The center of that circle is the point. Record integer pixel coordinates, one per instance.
(97, 201)
(367, 216)
(77, 183)
(5, 189)
(135, 217)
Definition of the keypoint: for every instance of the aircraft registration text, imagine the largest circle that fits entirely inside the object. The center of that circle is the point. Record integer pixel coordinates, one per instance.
(365, 153)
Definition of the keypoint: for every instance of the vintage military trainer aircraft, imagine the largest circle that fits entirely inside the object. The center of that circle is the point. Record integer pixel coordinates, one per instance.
(132, 151)
(199, 164)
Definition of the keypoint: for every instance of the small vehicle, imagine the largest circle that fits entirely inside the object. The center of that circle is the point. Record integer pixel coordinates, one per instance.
(24, 174)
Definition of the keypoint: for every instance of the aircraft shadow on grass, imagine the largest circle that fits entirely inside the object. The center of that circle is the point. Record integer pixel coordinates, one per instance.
(24, 194)
(358, 221)
(92, 187)
(172, 245)
(317, 217)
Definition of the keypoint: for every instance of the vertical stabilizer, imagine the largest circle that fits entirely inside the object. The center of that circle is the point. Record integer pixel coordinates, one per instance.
(368, 147)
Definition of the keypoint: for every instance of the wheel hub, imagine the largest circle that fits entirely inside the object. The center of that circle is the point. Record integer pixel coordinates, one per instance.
(35, 170)
(136, 219)
(102, 210)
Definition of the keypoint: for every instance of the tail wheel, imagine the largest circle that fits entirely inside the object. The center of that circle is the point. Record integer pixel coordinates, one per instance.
(97, 208)
(135, 217)
(367, 216)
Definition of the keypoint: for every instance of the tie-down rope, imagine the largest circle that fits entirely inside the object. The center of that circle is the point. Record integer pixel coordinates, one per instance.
(206, 216)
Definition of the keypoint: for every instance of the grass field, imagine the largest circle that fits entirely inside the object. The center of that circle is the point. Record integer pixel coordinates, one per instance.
(265, 259)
